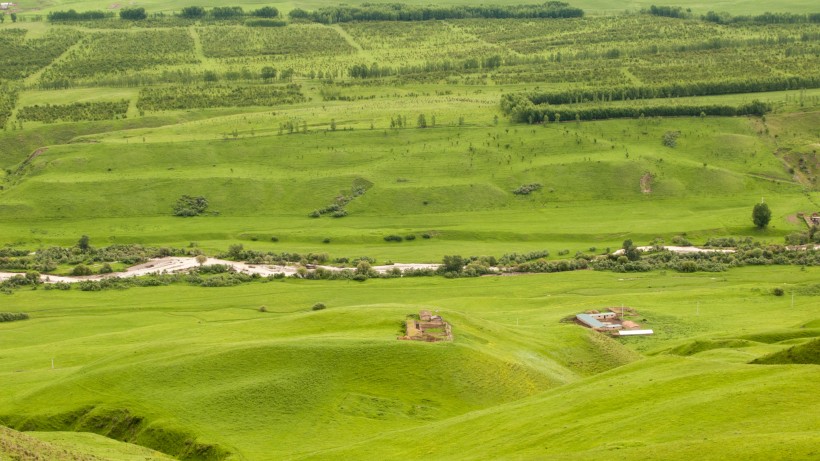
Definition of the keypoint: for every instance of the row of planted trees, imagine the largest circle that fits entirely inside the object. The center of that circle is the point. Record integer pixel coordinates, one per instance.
(189, 12)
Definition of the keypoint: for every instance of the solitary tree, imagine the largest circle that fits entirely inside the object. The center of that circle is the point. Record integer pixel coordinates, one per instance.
(84, 243)
(13, 17)
(268, 73)
(761, 215)
(631, 251)
(422, 121)
(453, 263)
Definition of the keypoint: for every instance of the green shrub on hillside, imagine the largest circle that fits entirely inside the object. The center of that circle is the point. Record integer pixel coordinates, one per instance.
(12, 316)
(187, 206)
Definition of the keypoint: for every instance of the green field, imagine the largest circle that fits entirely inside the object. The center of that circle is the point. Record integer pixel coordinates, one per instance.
(204, 364)
(417, 131)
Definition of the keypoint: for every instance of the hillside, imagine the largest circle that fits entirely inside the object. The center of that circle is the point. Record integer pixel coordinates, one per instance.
(512, 158)
(201, 373)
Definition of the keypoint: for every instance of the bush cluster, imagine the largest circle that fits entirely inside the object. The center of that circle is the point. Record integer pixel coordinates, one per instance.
(13, 316)
(188, 206)
(527, 189)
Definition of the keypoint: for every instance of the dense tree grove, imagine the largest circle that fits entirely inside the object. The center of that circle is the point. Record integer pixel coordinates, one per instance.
(527, 112)
(20, 57)
(765, 18)
(673, 90)
(669, 11)
(74, 112)
(119, 52)
(72, 15)
(192, 12)
(188, 97)
(133, 14)
(404, 12)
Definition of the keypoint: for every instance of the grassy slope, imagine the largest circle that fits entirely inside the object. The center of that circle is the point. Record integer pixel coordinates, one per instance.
(70, 446)
(293, 382)
(423, 180)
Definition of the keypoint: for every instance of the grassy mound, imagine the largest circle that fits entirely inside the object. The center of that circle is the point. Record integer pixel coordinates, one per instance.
(627, 413)
(696, 347)
(70, 446)
(808, 353)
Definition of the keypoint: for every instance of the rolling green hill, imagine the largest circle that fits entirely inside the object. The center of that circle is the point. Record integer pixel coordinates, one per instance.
(202, 374)
(417, 131)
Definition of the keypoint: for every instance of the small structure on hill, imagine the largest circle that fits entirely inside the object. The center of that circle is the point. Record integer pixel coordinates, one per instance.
(612, 321)
(591, 322)
(428, 327)
(812, 219)
(6, 5)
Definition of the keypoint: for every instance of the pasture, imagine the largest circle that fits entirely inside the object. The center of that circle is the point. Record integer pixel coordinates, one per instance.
(407, 141)
(166, 366)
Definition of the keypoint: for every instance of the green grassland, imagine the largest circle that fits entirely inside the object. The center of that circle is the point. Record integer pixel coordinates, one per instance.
(456, 182)
(174, 366)
(406, 121)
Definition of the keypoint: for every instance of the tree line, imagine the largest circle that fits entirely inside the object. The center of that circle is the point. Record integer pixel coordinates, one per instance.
(404, 12)
(189, 12)
(672, 90)
(74, 112)
(526, 112)
(726, 18)
(190, 97)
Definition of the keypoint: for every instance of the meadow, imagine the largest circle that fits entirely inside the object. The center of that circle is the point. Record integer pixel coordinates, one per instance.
(485, 133)
(176, 367)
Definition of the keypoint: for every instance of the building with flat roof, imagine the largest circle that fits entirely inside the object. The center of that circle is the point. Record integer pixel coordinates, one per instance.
(595, 324)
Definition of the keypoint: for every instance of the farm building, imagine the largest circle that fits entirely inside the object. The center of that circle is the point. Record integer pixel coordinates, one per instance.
(635, 332)
(5, 6)
(595, 324)
(429, 328)
(815, 219)
(603, 315)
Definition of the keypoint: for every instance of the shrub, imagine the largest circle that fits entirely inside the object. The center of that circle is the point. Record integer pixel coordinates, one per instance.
(410, 237)
(680, 240)
(778, 291)
(12, 316)
(670, 138)
(106, 269)
(318, 307)
(265, 12)
(190, 206)
(393, 238)
(527, 189)
(81, 269)
(263, 308)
